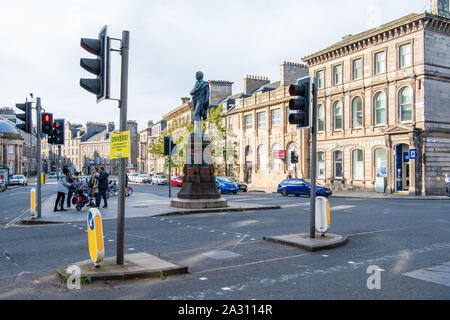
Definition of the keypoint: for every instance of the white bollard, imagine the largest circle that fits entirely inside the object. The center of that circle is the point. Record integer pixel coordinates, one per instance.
(322, 215)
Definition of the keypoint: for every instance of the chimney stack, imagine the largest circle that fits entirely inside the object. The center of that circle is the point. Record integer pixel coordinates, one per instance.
(253, 82)
(290, 72)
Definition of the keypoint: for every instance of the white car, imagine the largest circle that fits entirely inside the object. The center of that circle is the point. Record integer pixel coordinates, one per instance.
(132, 177)
(52, 175)
(18, 179)
(159, 179)
(143, 178)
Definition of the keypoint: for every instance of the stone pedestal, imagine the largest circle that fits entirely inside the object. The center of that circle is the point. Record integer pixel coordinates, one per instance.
(199, 184)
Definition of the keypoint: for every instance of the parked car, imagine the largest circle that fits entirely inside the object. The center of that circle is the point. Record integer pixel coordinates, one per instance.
(301, 187)
(52, 175)
(159, 179)
(242, 186)
(176, 181)
(2, 185)
(132, 177)
(143, 178)
(225, 186)
(18, 179)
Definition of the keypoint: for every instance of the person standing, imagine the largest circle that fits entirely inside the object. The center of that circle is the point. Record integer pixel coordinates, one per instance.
(62, 189)
(102, 187)
(71, 190)
(93, 185)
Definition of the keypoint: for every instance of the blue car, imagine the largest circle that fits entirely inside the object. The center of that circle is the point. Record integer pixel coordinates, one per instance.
(301, 187)
(225, 186)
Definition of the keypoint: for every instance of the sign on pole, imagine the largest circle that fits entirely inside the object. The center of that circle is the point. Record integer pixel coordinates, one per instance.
(412, 154)
(95, 236)
(120, 145)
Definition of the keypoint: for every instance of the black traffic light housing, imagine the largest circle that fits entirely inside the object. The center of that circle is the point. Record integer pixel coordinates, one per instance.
(301, 103)
(168, 145)
(26, 117)
(99, 66)
(47, 123)
(57, 136)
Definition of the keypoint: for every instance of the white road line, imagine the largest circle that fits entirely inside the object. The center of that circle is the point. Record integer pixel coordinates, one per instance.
(378, 231)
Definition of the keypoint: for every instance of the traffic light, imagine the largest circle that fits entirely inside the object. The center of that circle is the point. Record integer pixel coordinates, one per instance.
(294, 157)
(47, 123)
(57, 136)
(99, 66)
(27, 124)
(301, 102)
(168, 145)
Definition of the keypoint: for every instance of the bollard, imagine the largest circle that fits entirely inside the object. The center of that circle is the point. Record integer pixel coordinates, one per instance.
(322, 215)
(95, 236)
(33, 203)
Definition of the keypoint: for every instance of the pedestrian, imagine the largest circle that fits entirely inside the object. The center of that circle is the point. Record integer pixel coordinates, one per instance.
(447, 184)
(93, 185)
(71, 190)
(102, 187)
(62, 190)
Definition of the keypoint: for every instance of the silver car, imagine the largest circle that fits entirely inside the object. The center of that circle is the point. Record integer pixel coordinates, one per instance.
(18, 179)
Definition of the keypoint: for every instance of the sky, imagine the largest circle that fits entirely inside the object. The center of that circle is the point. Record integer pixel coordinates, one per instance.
(169, 41)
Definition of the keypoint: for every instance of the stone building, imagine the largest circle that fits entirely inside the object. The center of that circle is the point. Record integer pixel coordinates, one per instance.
(384, 94)
(11, 147)
(264, 139)
(147, 162)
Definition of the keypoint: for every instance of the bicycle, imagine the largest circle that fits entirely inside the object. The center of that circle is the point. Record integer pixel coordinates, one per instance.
(128, 191)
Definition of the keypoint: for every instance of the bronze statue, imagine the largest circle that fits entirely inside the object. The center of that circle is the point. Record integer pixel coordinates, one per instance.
(200, 99)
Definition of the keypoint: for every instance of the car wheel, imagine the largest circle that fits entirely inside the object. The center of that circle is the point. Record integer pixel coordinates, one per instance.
(284, 192)
(235, 192)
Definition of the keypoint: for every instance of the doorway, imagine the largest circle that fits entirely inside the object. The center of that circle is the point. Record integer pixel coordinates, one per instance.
(402, 168)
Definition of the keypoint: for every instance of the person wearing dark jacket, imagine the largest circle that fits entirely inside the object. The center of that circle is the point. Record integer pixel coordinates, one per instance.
(102, 187)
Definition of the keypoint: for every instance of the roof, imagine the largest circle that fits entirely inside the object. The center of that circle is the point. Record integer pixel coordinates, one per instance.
(371, 32)
(6, 127)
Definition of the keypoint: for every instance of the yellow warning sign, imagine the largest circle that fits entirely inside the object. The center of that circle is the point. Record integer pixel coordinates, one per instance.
(120, 145)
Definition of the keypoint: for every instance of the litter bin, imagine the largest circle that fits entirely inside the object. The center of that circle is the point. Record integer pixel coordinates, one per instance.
(380, 185)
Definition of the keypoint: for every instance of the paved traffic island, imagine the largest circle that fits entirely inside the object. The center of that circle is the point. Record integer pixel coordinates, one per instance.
(137, 206)
(136, 266)
(303, 241)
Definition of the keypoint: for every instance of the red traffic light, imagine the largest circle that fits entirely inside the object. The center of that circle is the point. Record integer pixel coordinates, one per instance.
(47, 118)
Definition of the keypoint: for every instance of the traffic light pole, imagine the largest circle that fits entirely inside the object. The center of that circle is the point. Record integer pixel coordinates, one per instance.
(39, 160)
(122, 167)
(313, 159)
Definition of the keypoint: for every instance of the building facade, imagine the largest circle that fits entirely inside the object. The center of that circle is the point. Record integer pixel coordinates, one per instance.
(11, 147)
(383, 114)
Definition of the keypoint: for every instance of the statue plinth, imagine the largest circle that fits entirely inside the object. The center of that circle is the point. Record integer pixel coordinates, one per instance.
(199, 183)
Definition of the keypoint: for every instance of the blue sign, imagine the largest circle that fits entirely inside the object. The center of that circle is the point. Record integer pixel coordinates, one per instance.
(91, 221)
(412, 154)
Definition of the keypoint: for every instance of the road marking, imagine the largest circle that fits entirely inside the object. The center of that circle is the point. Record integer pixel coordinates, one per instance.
(378, 231)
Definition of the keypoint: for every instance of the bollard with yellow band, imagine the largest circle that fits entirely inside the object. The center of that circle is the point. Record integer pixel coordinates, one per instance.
(95, 236)
(42, 178)
(322, 215)
(33, 203)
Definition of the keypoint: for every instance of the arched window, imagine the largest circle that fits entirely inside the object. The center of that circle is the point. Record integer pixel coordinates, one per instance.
(380, 162)
(380, 108)
(321, 118)
(276, 162)
(337, 114)
(262, 158)
(405, 104)
(357, 113)
(358, 164)
(338, 164)
(321, 164)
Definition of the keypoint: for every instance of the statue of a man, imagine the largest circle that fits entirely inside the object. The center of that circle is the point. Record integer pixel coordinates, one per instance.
(200, 98)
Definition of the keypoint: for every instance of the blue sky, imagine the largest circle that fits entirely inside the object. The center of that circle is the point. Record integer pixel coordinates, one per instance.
(170, 41)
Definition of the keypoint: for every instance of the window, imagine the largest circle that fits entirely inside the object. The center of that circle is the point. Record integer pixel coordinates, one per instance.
(380, 162)
(321, 79)
(405, 103)
(358, 164)
(405, 56)
(357, 69)
(248, 122)
(357, 113)
(380, 63)
(321, 118)
(261, 119)
(337, 112)
(230, 123)
(321, 164)
(276, 162)
(276, 117)
(380, 108)
(337, 74)
(262, 158)
(338, 164)
(11, 149)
